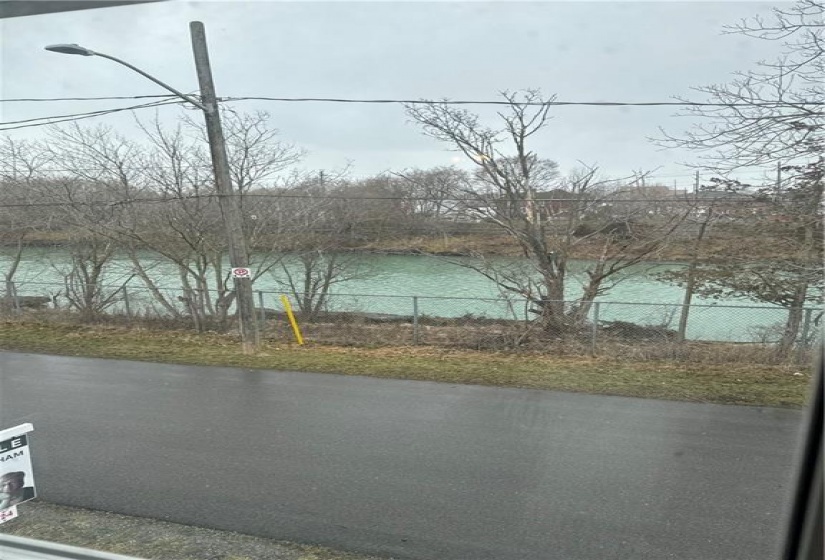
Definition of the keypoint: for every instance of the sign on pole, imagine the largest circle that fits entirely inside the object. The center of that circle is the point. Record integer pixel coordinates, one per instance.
(241, 272)
(16, 474)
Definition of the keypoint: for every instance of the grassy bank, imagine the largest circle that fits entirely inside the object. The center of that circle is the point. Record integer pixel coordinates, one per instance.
(726, 240)
(729, 383)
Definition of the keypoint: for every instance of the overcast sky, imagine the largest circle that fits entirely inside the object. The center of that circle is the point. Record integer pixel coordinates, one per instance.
(579, 51)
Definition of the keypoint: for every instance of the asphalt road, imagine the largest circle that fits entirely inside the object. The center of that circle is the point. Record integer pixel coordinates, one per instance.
(404, 468)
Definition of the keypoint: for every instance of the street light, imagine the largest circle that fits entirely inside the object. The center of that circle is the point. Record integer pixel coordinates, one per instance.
(236, 240)
(72, 48)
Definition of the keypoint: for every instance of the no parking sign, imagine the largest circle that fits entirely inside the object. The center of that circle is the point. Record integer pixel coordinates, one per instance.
(241, 272)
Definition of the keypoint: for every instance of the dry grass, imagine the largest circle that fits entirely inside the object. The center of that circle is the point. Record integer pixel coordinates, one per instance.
(728, 239)
(508, 336)
(154, 539)
(737, 383)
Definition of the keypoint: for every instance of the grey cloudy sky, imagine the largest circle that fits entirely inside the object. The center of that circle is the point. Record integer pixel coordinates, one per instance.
(580, 51)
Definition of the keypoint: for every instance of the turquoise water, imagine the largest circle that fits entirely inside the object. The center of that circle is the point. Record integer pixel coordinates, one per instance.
(443, 288)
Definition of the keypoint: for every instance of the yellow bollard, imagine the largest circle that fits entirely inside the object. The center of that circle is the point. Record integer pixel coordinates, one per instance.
(292, 320)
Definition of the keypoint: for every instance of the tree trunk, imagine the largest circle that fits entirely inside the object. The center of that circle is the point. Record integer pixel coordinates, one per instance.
(190, 300)
(690, 280)
(151, 286)
(553, 319)
(578, 317)
(11, 289)
(794, 321)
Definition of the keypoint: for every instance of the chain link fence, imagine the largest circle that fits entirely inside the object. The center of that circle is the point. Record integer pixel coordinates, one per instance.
(641, 330)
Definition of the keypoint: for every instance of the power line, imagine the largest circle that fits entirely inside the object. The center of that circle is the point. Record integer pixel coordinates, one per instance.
(78, 116)
(526, 103)
(155, 200)
(100, 169)
(168, 99)
(649, 179)
(106, 98)
(91, 113)
(442, 102)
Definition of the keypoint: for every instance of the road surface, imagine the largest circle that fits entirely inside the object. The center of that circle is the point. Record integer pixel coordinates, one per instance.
(404, 468)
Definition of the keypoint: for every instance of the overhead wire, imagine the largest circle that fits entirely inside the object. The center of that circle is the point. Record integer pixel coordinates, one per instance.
(99, 98)
(90, 113)
(160, 200)
(384, 101)
(173, 100)
(170, 99)
(650, 179)
(55, 119)
(522, 103)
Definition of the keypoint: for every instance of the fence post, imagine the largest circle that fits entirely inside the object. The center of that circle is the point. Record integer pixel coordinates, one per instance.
(262, 325)
(415, 320)
(595, 331)
(126, 303)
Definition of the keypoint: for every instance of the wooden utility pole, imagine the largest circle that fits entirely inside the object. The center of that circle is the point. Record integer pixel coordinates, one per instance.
(696, 184)
(230, 211)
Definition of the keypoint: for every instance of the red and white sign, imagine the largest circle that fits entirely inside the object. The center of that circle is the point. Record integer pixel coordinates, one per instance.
(241, 273)
(8, 514)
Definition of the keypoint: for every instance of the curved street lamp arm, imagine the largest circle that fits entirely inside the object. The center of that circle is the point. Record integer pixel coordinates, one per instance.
(183, 96)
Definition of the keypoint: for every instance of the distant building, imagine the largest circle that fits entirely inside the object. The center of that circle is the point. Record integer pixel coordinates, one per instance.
(728, 204)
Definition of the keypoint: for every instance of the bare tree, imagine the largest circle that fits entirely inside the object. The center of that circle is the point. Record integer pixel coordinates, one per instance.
(255, 151)
(792, 224)
(434, 193)
(773, 113)
(183, 225)
(23, 216)
(370, 209)
(313, 228)
(505, 192)
(155, 201)
(96, 177)
(87, 286)
(772, 118)
(310, 275)
(87, 210)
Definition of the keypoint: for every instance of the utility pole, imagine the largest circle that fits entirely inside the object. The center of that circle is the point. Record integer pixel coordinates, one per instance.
(696, 184)
(230, 211)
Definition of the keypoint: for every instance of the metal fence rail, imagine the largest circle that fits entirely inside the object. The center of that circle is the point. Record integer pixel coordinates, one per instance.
(382, 319)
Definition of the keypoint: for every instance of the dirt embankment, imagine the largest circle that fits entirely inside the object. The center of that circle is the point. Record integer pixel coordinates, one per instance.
(720, 246)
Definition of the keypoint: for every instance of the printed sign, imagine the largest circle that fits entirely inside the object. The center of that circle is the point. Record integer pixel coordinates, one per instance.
(16, 474)
(8, 514)
(241, 273)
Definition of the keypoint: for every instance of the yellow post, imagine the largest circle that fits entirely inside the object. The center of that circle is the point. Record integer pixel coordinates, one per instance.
(292, 320)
